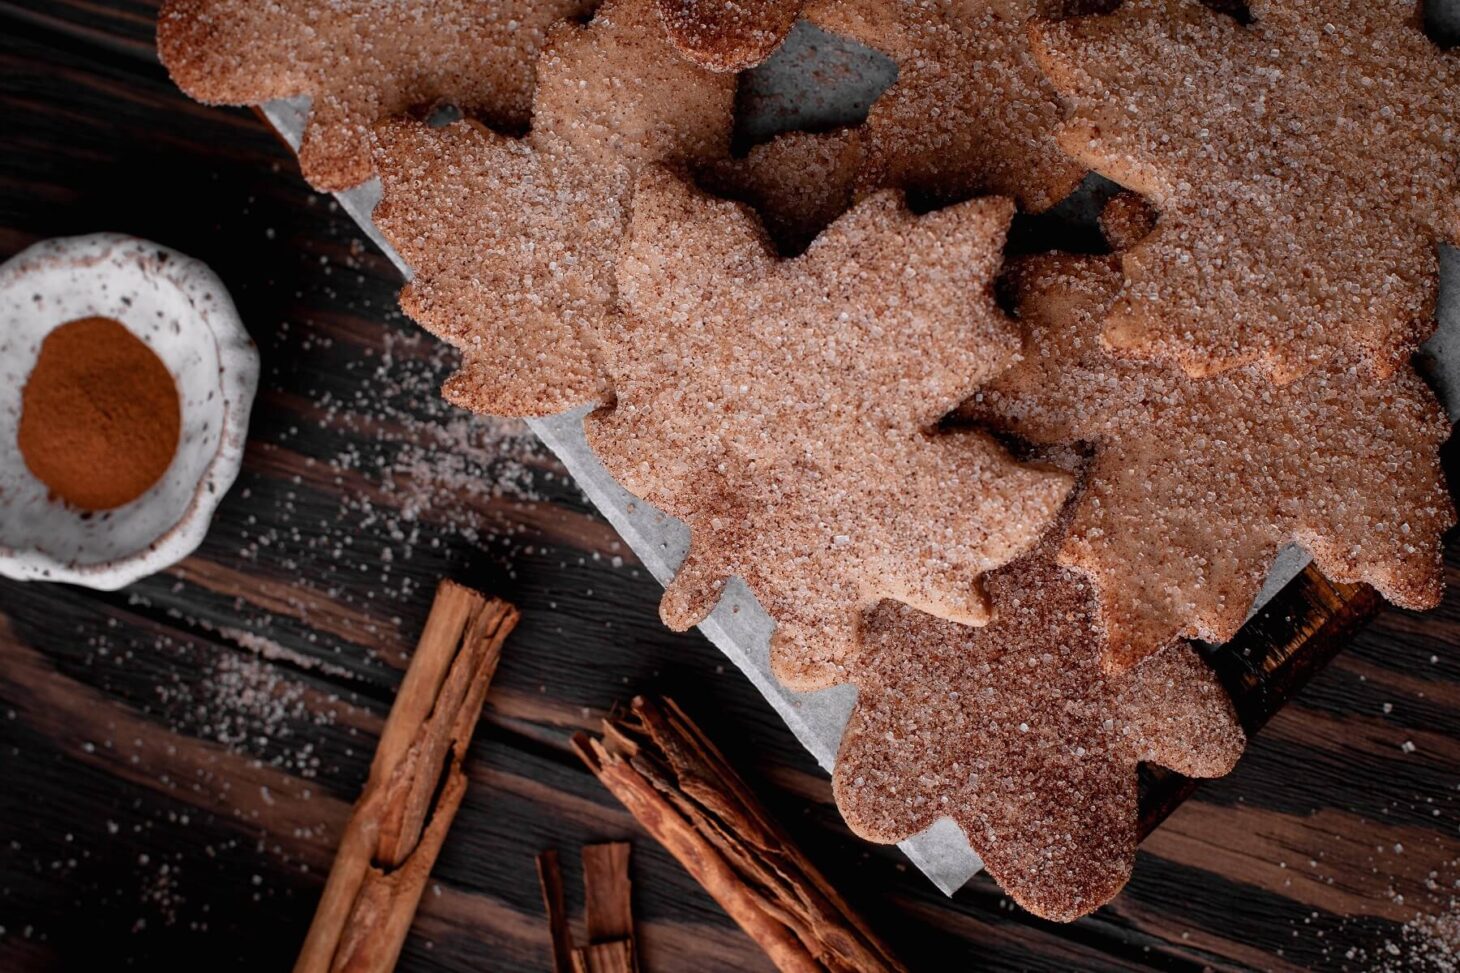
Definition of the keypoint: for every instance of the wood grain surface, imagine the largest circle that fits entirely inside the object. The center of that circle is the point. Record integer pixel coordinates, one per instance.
(177, 759)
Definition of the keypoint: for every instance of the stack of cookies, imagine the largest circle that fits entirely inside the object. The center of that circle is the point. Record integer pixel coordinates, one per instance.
(996, 494)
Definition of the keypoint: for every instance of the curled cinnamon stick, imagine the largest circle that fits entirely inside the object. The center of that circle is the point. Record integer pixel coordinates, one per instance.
(415, 787)
(672, 779)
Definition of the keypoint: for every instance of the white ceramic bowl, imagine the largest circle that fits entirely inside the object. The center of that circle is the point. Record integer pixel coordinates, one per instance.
(180, 309)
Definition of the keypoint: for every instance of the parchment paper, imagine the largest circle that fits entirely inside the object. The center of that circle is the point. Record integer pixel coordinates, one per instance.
(795, 90)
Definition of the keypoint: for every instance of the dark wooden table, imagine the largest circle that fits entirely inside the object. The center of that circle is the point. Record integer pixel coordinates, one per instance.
(177, 759)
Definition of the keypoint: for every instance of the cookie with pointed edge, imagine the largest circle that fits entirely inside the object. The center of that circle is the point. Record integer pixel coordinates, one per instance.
(783, 409)
(1197, 483)
(360, 61)
(970, 111)
(513, 241)
(1126, 219)
(1305, 166)
(728, 35)
(798, 182)
(1017, 733)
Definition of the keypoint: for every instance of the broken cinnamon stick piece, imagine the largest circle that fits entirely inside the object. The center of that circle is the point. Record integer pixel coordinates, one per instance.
(677, 784)
(608, 893)
(415, 786)
(550, 877)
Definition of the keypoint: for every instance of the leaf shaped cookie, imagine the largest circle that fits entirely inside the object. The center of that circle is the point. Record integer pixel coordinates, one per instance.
(513, 241)
(360, 61)
(970, 111)
(1016, 732)
(1197, 483)
(783, 408)
(1305, 166)
(728, 35)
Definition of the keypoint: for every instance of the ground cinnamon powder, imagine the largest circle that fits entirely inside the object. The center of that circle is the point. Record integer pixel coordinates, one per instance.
(99, 418)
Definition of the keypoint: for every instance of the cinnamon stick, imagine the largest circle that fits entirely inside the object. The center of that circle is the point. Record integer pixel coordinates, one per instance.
(415, 786)
(677, 784)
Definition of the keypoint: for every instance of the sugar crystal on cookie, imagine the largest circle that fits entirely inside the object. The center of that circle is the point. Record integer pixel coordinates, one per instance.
(799, 182)
(728, 35)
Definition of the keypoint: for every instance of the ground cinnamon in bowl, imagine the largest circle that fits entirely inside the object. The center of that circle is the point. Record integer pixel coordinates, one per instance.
(100, 417)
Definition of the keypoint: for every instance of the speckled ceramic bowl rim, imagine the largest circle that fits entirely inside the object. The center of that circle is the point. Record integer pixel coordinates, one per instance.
(238, 363)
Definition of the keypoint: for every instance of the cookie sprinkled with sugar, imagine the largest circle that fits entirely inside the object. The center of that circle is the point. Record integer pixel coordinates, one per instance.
(783, 408)
(1015, 732)
(513, 241)
(798, 182)
(728, 35)
(360, 61)
(970, 111)
(1197, 483)
(1305, 166)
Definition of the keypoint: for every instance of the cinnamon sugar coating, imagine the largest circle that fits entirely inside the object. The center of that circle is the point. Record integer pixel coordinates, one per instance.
(360, 61)
(1305, 166)
(1016, 732)
(970, 111)
(1197, 483)
(728, 35)
(513, 241)
(783, 408)
(798, 182)
(1126, 219)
